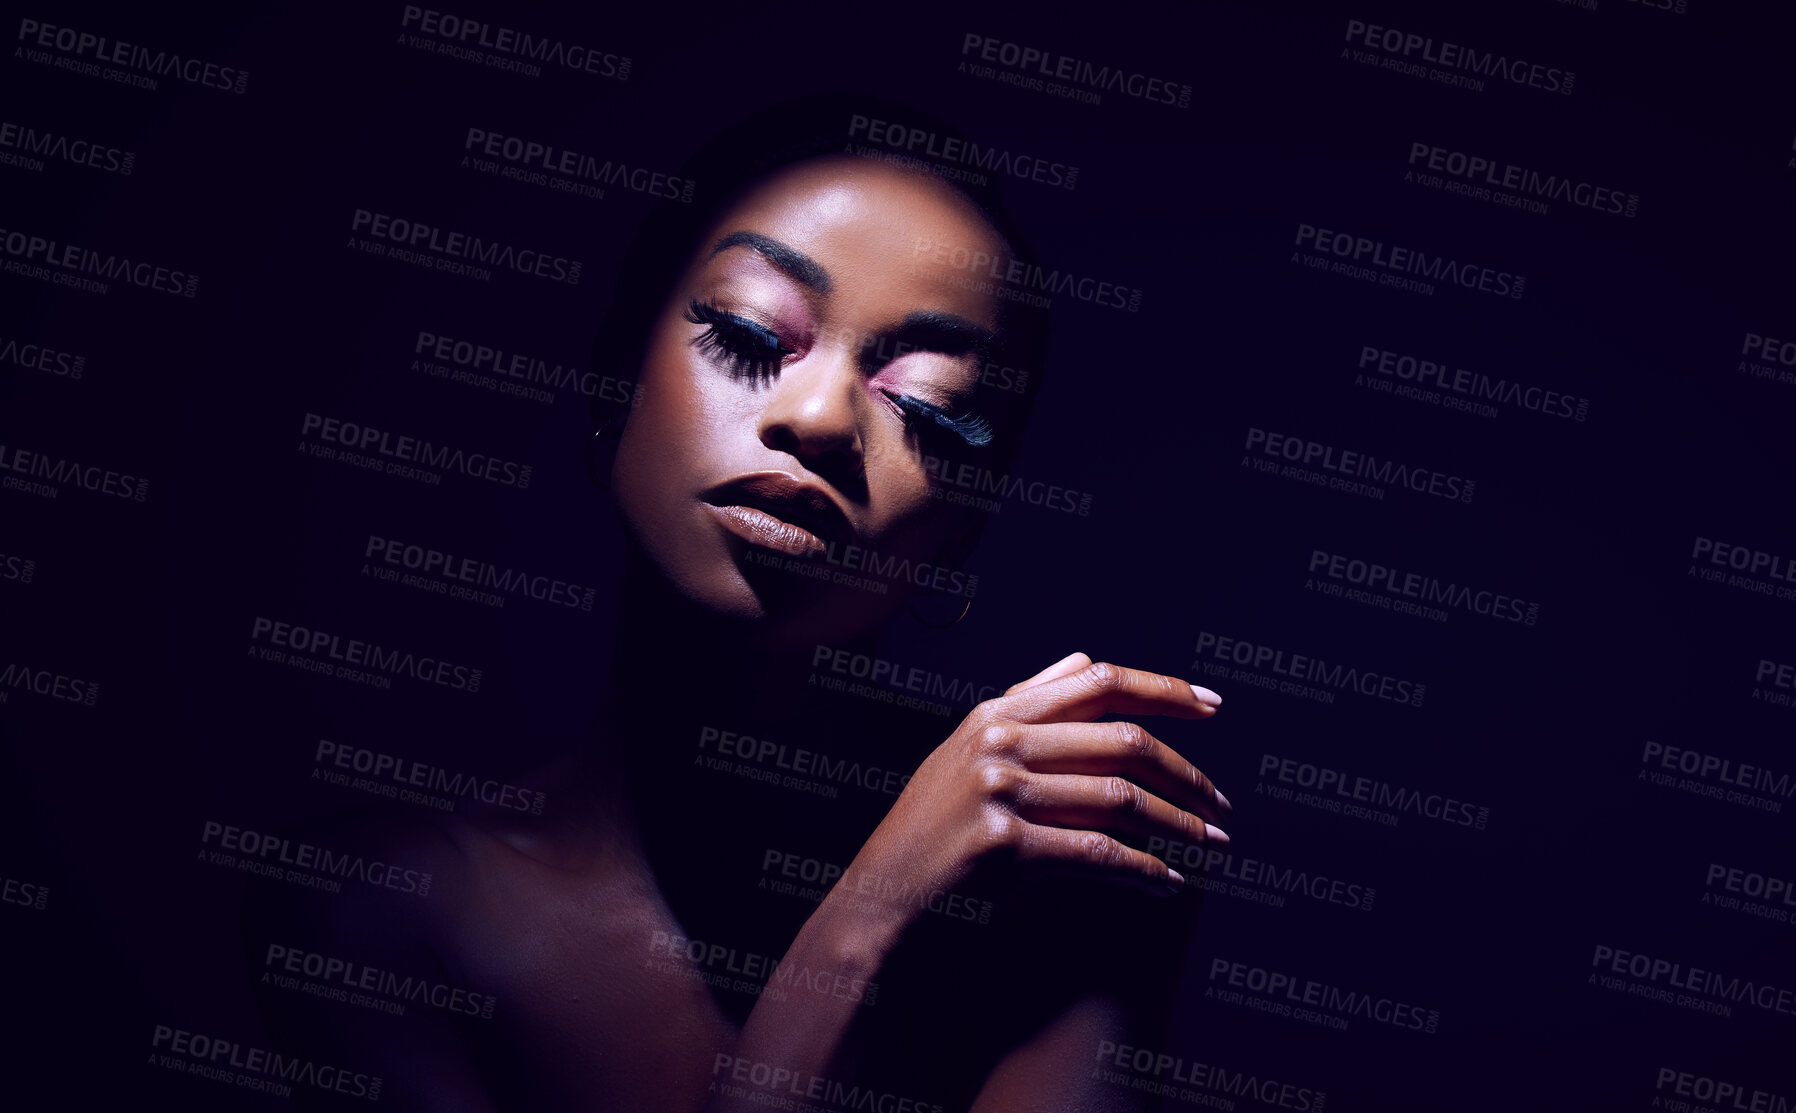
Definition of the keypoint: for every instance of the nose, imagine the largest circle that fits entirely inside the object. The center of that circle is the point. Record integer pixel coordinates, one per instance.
(811, 413)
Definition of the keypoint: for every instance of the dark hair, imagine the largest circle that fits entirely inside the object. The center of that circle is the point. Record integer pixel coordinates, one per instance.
(741, 157)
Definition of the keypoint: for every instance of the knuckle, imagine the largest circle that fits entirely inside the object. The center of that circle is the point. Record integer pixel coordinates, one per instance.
(1122, 795)
(1104, 676)
(996, 737)
(1098, 848)
(1132, 740)
(1000, 830)
(997, 779)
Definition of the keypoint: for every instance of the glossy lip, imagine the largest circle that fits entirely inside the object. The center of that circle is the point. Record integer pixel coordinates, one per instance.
(779, 512)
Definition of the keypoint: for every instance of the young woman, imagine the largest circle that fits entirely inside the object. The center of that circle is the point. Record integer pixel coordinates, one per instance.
(812, 349)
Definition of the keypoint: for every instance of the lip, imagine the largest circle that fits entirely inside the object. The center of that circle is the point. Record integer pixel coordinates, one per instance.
(780, 512)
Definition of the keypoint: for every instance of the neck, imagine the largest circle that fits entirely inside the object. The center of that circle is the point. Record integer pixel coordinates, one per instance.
(682, 672)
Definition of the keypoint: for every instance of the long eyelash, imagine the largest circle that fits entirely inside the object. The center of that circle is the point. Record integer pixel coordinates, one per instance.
(974, 430)
(744, 348)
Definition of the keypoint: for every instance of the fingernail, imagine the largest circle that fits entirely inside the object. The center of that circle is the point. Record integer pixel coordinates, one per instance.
(1175, 877)
(1214, 833)
(1204, 695)
(1224, 801)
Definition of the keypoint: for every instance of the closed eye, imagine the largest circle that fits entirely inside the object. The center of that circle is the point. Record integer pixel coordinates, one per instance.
(975, 431)
(743, 348)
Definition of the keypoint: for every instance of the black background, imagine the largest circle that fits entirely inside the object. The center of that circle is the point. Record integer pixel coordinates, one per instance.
(1147, 412)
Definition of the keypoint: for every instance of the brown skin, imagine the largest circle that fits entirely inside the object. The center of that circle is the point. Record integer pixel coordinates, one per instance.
(824, 421)
(551, 914)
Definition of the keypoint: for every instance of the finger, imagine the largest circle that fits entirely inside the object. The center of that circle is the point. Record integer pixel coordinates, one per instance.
(1094, 850)
(1071, 663)
(1121, 748)
(1106, 689)
(1109, 804)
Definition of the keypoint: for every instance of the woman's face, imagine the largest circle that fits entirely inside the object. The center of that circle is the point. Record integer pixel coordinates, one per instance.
(816, 361)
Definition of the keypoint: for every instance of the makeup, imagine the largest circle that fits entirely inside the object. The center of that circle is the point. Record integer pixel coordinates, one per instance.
(743, 348)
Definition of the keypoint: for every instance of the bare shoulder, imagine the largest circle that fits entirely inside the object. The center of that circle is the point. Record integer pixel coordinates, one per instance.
(372, 878)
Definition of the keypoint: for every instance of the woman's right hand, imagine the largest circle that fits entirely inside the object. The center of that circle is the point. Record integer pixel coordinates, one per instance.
(1030, 780)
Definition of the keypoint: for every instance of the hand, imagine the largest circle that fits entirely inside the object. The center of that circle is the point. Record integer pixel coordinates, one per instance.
(1030, 778)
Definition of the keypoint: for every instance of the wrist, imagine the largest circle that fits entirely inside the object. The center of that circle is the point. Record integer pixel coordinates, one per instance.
(859, 922)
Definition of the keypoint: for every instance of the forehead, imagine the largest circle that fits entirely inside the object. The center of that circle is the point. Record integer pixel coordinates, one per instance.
(881, 233)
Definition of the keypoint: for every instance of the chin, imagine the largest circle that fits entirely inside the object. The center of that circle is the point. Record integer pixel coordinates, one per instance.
(788, 616)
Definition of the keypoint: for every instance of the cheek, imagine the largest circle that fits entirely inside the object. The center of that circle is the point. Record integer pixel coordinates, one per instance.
(664, 437)
(903, 494)
(682, 410)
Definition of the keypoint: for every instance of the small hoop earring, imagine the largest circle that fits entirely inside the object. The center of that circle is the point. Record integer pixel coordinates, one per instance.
(603, 437)
(940, 625)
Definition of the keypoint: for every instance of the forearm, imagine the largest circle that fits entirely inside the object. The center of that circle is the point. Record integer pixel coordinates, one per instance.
(802, 1022)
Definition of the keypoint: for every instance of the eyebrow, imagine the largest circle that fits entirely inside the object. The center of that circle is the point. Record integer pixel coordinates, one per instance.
(927, 330)
(798, 266)
(931, 330)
